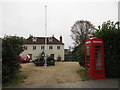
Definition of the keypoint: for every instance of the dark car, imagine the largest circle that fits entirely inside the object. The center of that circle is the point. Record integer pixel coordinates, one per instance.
(50, 61)
(41, 61)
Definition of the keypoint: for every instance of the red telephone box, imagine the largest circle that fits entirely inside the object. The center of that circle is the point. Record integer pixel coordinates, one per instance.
(94, 58)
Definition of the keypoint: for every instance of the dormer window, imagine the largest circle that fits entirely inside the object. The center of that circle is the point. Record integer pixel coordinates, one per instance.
(50, 39)
(34, 39)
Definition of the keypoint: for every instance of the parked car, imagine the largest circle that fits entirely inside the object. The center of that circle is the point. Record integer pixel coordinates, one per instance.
(25, 58)
(41, 61)
(50, 61)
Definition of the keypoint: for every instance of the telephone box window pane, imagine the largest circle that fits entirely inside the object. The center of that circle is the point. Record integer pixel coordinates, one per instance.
(98, 53)
(98, 50)
(88, 59)
(98, 57)
(88, 56)
(98, 60)
(98, 71)
(97, 46)
(99, 64)
(98, 68)
(88, 53)
(88, 50)
(88, 63)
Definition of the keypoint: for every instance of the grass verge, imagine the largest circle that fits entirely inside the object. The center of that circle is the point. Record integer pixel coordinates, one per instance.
(83, 75)
(16, 81)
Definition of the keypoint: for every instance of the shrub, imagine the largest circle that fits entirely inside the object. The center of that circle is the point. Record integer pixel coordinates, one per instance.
(11, 48)
(110, 33)
(78, 53)
(84, 75)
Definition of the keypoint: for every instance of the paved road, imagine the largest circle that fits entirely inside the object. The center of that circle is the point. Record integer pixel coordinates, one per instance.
(107, 83)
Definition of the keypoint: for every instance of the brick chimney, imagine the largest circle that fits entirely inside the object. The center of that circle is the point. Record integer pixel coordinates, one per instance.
(60, 38)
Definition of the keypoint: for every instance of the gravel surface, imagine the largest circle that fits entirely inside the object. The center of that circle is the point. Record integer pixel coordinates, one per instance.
(62, 72)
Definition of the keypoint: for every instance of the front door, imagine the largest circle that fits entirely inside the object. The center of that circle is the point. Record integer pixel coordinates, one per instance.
(52, 55)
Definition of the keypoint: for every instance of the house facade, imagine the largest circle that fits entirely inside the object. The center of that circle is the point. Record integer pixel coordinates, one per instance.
(34, 46)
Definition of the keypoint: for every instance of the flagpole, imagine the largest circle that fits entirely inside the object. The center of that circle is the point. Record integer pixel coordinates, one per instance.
(45, 36)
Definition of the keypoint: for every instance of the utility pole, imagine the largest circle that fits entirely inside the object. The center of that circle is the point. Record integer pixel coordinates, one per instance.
(45, 64)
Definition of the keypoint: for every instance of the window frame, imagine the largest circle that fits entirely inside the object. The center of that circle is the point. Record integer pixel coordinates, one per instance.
(50, 47)
(25, 47)
(34, 47)
(58, 47)
(42, 47)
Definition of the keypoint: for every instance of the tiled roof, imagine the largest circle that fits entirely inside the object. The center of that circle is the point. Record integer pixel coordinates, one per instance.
(41, 40)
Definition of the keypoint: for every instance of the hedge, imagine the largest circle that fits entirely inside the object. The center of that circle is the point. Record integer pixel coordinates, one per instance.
(11, 48)
(110, 33)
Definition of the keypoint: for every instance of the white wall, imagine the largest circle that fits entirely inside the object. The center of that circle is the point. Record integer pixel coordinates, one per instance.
(38, 51)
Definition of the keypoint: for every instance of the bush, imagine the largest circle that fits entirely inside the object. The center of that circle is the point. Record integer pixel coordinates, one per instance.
(110, 33)
(11, 48)
(83, 75)
(78, 53)
(81, 56)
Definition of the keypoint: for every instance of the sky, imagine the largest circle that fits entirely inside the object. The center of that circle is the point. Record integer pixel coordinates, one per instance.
(25, 17)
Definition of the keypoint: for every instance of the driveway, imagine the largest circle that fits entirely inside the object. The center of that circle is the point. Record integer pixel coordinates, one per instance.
(62, 72)
(62, 75)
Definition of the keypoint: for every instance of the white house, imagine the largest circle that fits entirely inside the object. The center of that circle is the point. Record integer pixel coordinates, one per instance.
(34, 46)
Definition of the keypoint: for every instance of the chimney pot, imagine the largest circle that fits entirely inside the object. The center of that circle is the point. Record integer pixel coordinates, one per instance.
(60, 38)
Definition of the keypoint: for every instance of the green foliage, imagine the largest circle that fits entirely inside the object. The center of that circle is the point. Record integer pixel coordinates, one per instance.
(11, 48)
(110, 33)
(78, 53)
(83, 75)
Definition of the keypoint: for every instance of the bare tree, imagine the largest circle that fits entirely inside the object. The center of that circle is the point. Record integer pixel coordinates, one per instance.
(81, 30)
